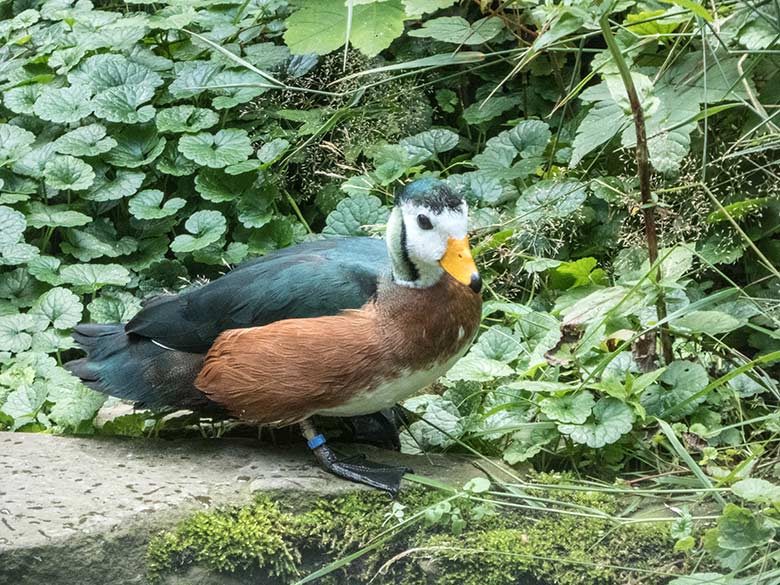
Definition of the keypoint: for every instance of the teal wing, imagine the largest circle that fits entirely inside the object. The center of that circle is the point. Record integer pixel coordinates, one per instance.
(309, 280)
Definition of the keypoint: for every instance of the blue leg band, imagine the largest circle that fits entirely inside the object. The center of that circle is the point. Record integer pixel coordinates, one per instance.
(315, 442)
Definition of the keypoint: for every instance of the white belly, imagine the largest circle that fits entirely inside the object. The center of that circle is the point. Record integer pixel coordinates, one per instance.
(390, 392)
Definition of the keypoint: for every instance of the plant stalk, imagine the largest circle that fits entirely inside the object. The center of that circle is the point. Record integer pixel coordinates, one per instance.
(643, 172)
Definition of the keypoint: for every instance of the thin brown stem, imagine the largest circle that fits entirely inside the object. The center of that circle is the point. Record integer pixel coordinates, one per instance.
(643, 172)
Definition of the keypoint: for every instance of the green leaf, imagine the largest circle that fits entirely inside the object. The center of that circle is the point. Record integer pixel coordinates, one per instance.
(429, 144)
(91, 277)
(40, 215)
(172, 162)
(45, 269)
(108, 71)
(528, 140)
(570, 408)
(12, 226)
(527, 443)
(759, 491)
(352, 213)
(146, 205)
(702, 579)
(419, 7)
(611, 419)
(484, 111)
(551, 198)
(21, 100)
(441, 422)
(476, 368)
(74, 404)
(113, 307)
(24, 403)
(217, 186)
(693, 6)
(739, 529)
(498, 343)
(321, 27)
(14, 143)
(68, 172)
(124, 104)
(60, 307)
(457, 30)
(192, 78)
(270, 151)
(88, 140)
(64, 105)
(34, 162)
(98, 239)
(602, 123)
(680, 381)
(136, 146)
(185, 118)
(709, 322)
(206, 226)
(256, 209)
(111, 184)
(15, 331)
(226, 147)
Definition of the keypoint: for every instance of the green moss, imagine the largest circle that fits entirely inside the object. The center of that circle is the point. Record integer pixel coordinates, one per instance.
(279, 540)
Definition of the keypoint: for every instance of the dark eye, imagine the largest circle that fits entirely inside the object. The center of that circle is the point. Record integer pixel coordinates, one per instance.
(424, 222)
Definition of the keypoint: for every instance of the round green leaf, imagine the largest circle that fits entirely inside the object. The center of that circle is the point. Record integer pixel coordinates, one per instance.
(68, 172)
(88, 140)
(429, 144)
(571, 408)
(64, 105)
(15, 333)
(146, 205)
(679, 382)
(352, 213)
(136, 146)
(172, 162)
(40, 215)
(206, 226)
(217, 186)
(110, 70)
(113, 307)
(185, 119)
(91, 277)
(12, 225)
(111, 184)
(14, 143)
(549, 199)
(226, 147)
(21, 100)
(125, 104)
(60, 307)
(611, 420)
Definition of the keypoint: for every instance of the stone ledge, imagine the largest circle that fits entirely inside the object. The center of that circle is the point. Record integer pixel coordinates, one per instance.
(81, 510)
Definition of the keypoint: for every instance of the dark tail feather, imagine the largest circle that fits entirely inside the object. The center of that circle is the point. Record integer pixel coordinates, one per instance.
(135, 368)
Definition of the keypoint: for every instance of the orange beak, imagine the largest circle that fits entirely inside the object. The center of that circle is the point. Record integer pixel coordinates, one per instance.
(458, 263)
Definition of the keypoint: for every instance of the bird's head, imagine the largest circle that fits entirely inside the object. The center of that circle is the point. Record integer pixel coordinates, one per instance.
(427, 236)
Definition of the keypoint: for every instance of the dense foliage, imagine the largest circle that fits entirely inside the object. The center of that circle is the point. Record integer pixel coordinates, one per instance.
(145, 146)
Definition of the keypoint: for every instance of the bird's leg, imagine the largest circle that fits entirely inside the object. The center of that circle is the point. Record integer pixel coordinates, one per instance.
(356, 469)
(379, 428)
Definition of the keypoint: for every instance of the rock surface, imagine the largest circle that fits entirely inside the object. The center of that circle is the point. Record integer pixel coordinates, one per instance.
(77, 511)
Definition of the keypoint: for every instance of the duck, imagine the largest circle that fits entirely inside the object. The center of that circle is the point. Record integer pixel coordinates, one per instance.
(338, 327)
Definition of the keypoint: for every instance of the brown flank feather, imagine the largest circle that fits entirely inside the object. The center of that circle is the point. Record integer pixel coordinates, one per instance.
(288, 370)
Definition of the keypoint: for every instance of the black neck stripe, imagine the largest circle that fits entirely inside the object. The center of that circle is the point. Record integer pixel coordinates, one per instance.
(411, 269)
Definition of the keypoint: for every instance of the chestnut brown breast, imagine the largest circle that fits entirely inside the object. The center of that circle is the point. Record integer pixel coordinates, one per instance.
(288, 370)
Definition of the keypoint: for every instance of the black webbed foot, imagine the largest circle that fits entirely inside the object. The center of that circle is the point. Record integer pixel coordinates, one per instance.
(356, 468)
(360, 470)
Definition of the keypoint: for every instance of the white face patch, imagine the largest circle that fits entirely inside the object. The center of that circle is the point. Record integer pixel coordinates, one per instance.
(427, 246)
